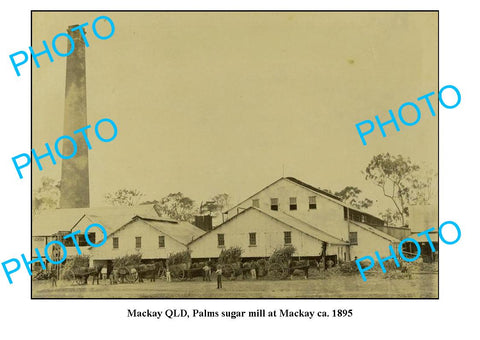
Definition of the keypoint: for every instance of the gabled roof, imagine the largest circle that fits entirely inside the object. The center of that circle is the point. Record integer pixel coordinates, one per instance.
(309, 187)
(375, 231)
(303, 227)
(182, 232)
(333, 198)
(317, 190)
(50, 222)
(287, 220)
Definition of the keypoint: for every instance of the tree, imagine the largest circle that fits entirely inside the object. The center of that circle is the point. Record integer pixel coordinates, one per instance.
(398, 178)
(390, 217)
(177, 206)
(47, 196)
(230, 255)
(350, 195)
(123, 197)
(216, 204)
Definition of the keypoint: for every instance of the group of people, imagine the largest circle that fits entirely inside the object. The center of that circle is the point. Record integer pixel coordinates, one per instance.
(207, 274)
(114, 277)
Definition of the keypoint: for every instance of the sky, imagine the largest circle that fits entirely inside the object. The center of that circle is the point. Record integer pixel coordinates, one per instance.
(207, 103)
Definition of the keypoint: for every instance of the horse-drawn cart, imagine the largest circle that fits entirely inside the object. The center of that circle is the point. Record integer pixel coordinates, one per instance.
(80, 275)
(125, 274)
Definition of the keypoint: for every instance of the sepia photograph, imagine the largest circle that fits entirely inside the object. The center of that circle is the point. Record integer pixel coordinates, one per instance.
(235, 155)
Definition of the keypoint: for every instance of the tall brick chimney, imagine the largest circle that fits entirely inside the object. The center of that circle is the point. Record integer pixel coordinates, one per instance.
(74, 185)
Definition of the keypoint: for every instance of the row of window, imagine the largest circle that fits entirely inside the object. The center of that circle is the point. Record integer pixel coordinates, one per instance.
(252, 239)
(138, 242)
(312, 203)
(82, 242)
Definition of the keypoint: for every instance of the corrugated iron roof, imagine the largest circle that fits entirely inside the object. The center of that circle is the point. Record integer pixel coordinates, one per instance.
(336, 198)
(183, 232)
(303, 227)
(317, 190)
(290, 221)
(376, 231)
(324, 193)
(49, 222)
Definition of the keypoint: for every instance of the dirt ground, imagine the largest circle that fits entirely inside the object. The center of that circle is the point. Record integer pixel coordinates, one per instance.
(377, 286)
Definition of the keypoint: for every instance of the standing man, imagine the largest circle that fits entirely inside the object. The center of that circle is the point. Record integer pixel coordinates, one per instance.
(219, 277)
(207, 273)
(253, 270)
(168, 275)
(53, 276)
(104, 274)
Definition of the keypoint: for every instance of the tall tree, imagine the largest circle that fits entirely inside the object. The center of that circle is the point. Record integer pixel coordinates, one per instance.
(177, 206)
(216, 204)
(390, 216)
(124, 197)
(350, 195)
(47, 196)
(398, 177)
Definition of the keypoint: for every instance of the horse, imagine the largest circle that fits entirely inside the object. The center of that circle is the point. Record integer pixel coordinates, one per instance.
(300, 265)
(148, 271)
(84, 272)
(196, 272)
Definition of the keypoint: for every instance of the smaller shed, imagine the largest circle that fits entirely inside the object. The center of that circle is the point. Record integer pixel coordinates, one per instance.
(154, 238)
(366, 240)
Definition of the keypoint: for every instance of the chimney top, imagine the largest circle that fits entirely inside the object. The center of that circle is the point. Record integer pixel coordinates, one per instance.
(76, 32)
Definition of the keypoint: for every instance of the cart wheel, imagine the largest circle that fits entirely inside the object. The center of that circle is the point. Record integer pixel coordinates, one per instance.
(131, 277)
(178, 274)
(68, 275)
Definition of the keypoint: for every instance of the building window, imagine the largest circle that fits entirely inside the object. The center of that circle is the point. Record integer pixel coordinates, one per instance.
(345, 213)
(161, 241)
(115, 242)
(138, 242)
(363, 218)
(353, 237)
(293, 203)
(287, 237)
(274, 203)
(312, 202)
(91, 237)
(82, 242)
(256, 203)
(221, 240)
(252, 239)
(68, 242)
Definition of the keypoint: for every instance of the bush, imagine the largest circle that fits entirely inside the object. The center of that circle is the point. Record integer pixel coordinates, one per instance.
(261, 267)
(349, 267)
(389, 265)
(127, 261)
(282, 255)
(230, 255)
(74, 263)
(179, 257)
